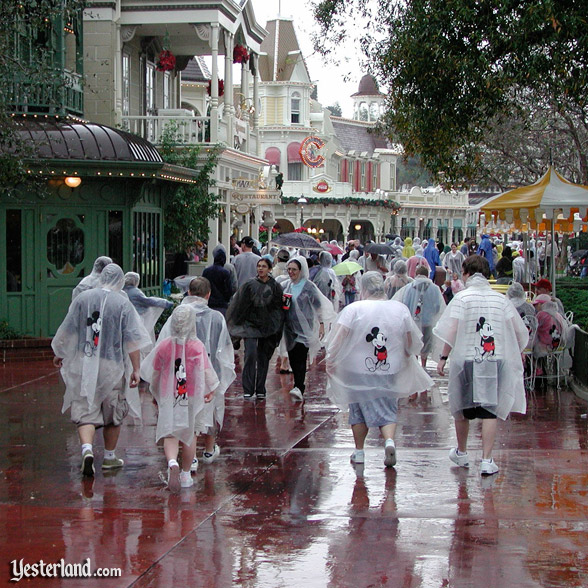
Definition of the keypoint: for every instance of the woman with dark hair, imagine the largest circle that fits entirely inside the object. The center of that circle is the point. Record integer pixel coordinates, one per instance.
(256, 315)
(504, 267)
(305, 321)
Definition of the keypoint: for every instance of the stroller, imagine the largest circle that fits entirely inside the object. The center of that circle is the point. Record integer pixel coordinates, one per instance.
(578, 259)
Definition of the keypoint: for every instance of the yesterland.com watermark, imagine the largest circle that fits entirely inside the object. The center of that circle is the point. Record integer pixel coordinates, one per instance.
(60, 569)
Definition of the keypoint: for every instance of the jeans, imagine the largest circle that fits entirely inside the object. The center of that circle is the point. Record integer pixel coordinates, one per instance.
(298, 356)
(258, 352)
(349, 297)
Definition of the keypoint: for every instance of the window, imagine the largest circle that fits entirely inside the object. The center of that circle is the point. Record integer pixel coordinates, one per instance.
(115, 236)
(126, 84)
(13, 251)
(150, 89)
(295, 171)
(362, 185)
(146, 236)
(65, 245)
(350, 167)
(295, 108)
(375, 168)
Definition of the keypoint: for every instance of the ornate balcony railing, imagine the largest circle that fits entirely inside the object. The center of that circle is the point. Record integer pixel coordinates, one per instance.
(188, 130)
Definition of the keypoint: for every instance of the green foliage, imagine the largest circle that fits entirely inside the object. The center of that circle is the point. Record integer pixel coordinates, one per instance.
(335, 109)
(26, 57)
(459, 74)
(573, 292)
(189, 208)
(7, 332)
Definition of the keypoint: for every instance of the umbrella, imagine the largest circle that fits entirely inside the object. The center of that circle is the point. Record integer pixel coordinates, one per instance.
(298, 240)
(334, 249)
(346, 268)
(379, 248)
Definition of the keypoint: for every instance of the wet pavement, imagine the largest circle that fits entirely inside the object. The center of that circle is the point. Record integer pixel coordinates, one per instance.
(283, 507)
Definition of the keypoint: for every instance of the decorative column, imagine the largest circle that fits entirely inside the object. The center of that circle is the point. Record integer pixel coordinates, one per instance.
(254, 61)
(229, 112)
(245, 98)
(214, 84)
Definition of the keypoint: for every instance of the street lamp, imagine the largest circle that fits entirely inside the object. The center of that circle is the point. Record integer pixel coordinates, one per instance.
(302, 201)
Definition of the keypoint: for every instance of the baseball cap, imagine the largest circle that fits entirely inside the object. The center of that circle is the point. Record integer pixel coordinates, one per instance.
(543, 283)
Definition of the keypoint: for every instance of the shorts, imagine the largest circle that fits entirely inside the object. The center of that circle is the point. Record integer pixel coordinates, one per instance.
(112, 411)
(477, 412)
(375, 413)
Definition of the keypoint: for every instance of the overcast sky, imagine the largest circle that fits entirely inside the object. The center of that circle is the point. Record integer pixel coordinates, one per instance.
(330, 79)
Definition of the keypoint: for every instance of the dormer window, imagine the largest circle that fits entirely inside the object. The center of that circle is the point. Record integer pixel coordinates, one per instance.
(295, 108)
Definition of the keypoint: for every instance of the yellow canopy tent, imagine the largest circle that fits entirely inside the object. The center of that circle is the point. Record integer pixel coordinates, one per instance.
(536, 206)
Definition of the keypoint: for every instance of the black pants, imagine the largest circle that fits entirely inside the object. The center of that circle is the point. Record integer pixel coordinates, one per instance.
(258, 353)
(297, 356)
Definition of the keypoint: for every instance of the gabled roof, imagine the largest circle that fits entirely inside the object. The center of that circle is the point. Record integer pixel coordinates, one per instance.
(357, 135)
(196, 71)
(280, 52)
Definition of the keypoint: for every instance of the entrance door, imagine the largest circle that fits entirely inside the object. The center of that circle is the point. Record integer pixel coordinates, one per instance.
(70, 241)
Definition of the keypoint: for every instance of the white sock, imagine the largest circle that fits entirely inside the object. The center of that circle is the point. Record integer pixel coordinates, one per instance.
(458, 452)
(108, 454)
(172, 462)
(86, 446)
(390, 442)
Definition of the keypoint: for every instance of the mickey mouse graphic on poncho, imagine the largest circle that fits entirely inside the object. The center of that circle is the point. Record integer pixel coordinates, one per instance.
(95, 322)
(555, 336)
(487, 347)
(378, 340)
(181, 384)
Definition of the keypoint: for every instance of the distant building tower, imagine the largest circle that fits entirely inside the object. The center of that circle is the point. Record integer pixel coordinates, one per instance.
(368, 101)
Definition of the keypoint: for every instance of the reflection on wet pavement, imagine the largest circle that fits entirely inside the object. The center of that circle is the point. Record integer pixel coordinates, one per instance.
(283, 506)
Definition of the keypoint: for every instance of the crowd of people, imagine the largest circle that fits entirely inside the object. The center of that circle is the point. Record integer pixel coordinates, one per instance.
(373, 313)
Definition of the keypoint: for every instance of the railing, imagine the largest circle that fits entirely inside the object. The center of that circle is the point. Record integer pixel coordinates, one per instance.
(62, 94)
(189, 130)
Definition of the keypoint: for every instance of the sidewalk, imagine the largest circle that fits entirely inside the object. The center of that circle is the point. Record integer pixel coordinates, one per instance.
(283, 507)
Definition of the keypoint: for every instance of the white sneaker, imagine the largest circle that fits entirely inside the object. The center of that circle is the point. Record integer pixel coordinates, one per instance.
(358, 456)
(210, 457)
(297, 394)
(462, 460)
(186, 479)
(488, 467)
(194, 466)
(390, 455)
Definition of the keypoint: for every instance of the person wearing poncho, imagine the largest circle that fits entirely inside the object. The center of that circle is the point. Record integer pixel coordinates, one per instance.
(485, 336)
(453, 261)
(425, 302)
(148, 307)
(308, 318)
(397, 278)
(212, 330)
(408, 249)
(98, 349)
(326, 280)
(431, 254)
(371, 362)
(93, 279)
(256, 315)
(182, 380)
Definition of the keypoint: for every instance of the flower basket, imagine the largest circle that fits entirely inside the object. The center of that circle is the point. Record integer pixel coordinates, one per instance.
(240, 54)
(166, 61)
(221, 87)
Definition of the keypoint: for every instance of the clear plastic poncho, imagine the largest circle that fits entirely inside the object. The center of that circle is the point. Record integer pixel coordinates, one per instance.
(212, 330)
(256, 310)
(92, 280)
(327, 281)
(101, 328)
(423, 299)
(308, 309)
(397, 279)
(487, 336)
(372, 349)
(148, 307)
(180, 375)
(414, 262)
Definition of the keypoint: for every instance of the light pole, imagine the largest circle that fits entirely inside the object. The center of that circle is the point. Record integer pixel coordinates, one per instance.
(302, 201)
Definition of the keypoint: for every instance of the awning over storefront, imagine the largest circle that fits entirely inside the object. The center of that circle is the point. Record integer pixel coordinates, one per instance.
(294, 152)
